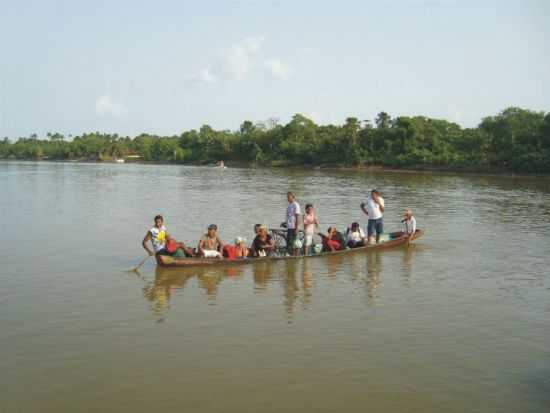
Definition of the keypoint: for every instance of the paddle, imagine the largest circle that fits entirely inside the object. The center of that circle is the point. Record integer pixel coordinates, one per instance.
(134, 269)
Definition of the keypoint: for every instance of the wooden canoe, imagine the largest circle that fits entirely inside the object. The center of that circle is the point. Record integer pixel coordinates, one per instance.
(168, 261)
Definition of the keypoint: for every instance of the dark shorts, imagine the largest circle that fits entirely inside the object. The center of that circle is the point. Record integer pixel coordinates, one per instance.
(290, 237)
(162, 252)
(375, 226)
(355, 244)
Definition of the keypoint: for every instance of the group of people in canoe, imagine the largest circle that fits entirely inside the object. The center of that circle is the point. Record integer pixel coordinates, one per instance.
(211, 246)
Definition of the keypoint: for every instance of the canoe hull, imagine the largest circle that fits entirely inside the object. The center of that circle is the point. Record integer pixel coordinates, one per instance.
(168, 261)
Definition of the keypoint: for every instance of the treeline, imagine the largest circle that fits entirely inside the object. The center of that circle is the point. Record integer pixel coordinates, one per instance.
(515, 140)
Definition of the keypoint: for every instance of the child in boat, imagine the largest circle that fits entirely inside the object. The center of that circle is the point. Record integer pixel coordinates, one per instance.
(241, 250)
(210, 245)
(238, 250)
(310, 224)
(355, 236)
(333, 240)
(264, 244)
(409, 223)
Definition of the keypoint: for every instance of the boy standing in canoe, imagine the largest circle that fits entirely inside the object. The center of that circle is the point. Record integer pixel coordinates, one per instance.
(374, 208)
(292, 221)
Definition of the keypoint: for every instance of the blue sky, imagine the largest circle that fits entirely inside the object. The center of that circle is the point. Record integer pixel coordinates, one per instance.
(167, 66)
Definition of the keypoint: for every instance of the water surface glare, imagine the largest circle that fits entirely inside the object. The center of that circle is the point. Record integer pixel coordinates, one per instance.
(460, 321)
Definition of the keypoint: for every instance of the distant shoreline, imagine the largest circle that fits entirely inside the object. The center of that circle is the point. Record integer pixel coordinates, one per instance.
(327, 168)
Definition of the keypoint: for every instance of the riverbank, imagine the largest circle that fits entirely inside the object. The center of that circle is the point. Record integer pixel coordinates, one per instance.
(337, 168)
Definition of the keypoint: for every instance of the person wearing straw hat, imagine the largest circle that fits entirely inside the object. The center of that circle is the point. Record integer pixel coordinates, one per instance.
(409, 223)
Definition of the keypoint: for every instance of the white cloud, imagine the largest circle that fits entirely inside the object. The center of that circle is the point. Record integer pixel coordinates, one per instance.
(278, 69)
(204, 76)
(106, 106)
(238, 59)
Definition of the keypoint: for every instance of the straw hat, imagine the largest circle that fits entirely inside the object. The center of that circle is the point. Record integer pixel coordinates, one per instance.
(239, 240)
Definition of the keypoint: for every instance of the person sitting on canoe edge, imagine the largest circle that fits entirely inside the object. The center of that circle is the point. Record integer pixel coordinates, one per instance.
(355, 236)
(374, 208)
(264, 244)
(333, 240)
(292, 223)
(239, 250)
(210, 245)
(310, 224)
(157, 236)
(163, 243)
(409, 223)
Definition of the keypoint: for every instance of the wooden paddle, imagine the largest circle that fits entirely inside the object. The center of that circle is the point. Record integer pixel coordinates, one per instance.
(134, 269)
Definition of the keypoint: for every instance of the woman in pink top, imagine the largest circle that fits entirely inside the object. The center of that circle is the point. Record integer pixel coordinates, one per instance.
(310, 223)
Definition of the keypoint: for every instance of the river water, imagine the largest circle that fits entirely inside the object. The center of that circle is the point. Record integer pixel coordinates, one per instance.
(459, 321)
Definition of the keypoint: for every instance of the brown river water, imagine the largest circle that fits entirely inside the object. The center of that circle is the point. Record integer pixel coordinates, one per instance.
(457, 322)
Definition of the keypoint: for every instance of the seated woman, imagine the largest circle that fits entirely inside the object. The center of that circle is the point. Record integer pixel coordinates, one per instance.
(355, 236)
(333, 240)
(263, 245)
(210, 245)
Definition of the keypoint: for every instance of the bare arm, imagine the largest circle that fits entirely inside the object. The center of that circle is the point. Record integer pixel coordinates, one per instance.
(364, 209)
(146, 239)
(297, 221)
(201, 245)
(380, 204)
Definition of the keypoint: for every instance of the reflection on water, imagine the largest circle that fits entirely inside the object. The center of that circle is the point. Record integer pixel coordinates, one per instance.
(374, 268)
(464, 311)
(295, 277)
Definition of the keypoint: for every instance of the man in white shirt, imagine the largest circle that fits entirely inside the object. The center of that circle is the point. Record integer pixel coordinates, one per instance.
(292, 221)
(374, 208)
(355, 236)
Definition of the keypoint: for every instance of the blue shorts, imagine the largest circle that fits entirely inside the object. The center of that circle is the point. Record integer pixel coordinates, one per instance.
(375, 226)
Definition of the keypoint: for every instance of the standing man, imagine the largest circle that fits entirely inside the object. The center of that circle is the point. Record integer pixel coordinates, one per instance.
(292, 221)
(374, 208)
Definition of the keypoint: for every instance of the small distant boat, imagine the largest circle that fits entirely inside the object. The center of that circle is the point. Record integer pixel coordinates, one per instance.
(396, 239)
(119, 160)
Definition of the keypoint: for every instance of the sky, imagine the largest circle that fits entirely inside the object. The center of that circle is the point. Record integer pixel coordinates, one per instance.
(163, 67)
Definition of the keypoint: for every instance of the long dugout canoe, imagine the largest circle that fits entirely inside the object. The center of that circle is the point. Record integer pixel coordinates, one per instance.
(168, 261)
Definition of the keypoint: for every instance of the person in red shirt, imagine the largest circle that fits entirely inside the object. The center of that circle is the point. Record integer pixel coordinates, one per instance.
(333, 241)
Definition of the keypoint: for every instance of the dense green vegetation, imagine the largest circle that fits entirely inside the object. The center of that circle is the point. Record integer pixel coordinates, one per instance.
(515, 140)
